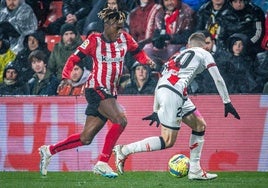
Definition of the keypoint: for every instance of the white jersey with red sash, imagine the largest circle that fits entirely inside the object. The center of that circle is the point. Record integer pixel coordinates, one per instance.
(183, 68)
(171, 90)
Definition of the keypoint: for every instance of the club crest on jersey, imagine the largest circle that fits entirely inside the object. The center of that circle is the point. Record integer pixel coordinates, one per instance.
(85, 44)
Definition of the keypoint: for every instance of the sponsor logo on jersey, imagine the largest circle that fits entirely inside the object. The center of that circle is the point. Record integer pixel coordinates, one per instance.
(110, 59)
(85, 44)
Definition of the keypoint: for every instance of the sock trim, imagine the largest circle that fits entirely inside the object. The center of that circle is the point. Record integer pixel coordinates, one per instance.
(163, 145)
(198, 133)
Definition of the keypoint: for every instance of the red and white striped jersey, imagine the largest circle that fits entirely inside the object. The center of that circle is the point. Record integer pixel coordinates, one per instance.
(108, 59)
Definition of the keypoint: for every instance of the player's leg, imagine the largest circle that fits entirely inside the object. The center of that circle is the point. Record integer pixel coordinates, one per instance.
(92, 126)
(94, 122)
(113, 111)
(193, 118)
(169, 129)
(154, 143)
(110, 109)
(196, 139)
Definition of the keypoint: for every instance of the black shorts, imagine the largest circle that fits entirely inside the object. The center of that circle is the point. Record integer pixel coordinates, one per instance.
(93, 97)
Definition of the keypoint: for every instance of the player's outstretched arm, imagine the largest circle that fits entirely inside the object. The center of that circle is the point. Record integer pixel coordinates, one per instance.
(221, 87)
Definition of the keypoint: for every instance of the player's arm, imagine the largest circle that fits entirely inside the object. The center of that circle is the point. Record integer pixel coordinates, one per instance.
(69, 65)
(79, 54)
(137, 52)
(219, 82)
(221, 87)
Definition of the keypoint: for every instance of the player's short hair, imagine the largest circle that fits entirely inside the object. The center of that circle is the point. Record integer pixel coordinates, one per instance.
(197, 39)
(112, 15)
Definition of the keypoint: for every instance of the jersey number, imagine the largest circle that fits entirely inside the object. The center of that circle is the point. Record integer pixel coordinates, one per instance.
(179, 113)
(185, 58)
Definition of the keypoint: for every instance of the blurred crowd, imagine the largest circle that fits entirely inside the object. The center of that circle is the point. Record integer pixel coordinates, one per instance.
(236, 35)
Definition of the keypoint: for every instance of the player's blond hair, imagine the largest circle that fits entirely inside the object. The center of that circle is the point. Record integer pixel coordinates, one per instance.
(112, 15)
(197, 39)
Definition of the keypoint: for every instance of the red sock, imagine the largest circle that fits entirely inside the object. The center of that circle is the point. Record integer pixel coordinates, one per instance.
(110, 140)
(72, 141)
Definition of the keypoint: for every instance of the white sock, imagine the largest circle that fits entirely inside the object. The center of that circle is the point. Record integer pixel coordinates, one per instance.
(196, 146)
(148, 144)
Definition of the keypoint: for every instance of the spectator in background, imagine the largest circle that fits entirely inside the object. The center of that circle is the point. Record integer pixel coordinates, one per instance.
(173, 25)
(240, 77)
(141, 19)
(141, 81)
(209, 17)
(41, 9)
(203, 83)
(261, 71)
(245, 17)
(141, 23)
(265, 88)
(219, 54)
(2, 3)
(70, 40)
(43, 82)
(74, 12)
(93, 27)
(195, 4)
(32, 41)
(21, 16)
(12, 84)
(112, 4)
(6, 55)
(77, 82)
(263, 4)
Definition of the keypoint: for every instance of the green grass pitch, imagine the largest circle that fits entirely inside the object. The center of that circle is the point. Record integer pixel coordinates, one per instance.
(130, 180)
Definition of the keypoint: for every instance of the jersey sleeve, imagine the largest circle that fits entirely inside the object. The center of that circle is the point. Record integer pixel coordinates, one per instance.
(89, 45)
(215, 74)
(220, 84)
(209, 60)
(69, 65)
(84, 49)
(134, 49)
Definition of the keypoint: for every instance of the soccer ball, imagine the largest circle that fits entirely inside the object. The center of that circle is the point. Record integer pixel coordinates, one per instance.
(178, 165)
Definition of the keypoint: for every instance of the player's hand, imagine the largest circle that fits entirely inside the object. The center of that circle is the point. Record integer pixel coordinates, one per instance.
(228, 108)
(63, 83)
(154, 118)
(152, 64)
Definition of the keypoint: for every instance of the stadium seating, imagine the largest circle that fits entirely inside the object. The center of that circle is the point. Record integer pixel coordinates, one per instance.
(51, 40)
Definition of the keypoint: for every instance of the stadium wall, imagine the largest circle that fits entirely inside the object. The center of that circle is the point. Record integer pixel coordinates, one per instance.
(26, 123)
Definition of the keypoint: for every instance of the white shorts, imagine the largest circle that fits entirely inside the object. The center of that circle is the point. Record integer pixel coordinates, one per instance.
(172, 107)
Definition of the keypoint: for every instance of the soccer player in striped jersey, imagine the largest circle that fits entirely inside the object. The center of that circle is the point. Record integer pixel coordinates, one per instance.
(107, 49)
(172, 105)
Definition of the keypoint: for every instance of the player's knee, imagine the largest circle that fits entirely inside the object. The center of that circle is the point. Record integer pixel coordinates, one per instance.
(169, 143)
(200, 126)
(121, 120)
(86, 140)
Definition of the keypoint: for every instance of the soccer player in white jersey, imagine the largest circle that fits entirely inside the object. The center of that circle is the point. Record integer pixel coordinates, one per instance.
(107, 49)
(172, 105)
